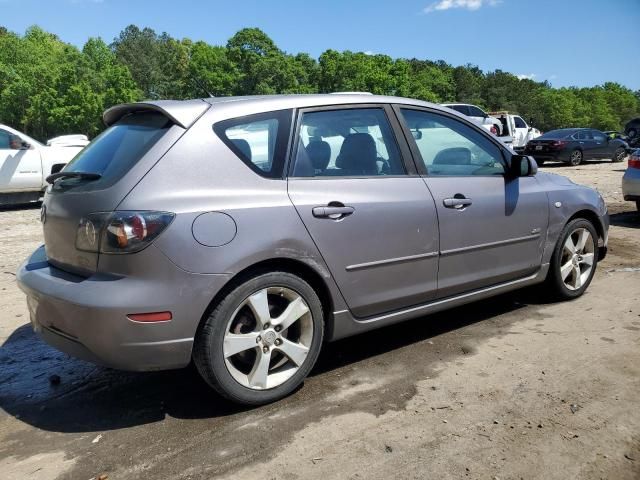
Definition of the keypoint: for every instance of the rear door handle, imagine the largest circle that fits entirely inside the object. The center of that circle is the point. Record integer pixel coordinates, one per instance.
(457, 203)
(332, 212)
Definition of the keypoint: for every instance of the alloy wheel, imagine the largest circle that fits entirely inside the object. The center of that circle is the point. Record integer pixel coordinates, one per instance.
(576, 157)
(268, 338)
(577, 259)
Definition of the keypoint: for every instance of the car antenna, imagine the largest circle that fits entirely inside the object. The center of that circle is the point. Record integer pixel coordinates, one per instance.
(201, 86)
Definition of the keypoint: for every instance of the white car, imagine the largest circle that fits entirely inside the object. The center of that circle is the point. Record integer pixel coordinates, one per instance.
(515, 130)
(25, 163)
(478, 115)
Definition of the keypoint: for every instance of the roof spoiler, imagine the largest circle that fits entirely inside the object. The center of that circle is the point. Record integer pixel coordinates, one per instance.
(182, 113)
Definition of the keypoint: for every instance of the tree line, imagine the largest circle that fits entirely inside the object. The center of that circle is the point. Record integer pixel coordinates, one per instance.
(49, 87)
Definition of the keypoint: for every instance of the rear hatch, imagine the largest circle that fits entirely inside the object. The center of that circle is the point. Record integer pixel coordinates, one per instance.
(116, 160)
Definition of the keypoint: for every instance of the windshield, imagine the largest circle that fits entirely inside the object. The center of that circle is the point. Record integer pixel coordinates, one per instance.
(120, 147)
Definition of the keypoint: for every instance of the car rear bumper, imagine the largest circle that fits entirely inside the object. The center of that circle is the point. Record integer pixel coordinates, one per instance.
(631, 184)
(560, 156)
(87, 317)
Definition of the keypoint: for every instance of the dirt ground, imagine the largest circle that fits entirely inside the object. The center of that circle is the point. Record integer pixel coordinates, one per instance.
(509, 388)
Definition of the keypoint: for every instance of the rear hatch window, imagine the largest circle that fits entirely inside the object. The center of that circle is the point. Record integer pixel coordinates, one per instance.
(114, 152)
(112, 160)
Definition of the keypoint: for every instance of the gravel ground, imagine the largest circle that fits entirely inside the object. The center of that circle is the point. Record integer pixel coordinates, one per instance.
(509, 388)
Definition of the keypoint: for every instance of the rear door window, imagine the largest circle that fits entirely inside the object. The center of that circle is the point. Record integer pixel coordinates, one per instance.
(354, 142)
(260, 141)
(463, 109)
(116, 150)
(476, 112)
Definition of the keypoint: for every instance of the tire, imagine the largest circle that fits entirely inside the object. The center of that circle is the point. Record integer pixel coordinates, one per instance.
(619, 155)
(561, 283)
(239, 376)
(576, 157)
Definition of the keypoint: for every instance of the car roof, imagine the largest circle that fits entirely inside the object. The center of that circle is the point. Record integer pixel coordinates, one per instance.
(186, 112)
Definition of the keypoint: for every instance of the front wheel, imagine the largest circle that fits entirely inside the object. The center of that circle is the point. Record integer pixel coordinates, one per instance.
(575, 158)
(574, 260)
(261, 341)
(619, 155)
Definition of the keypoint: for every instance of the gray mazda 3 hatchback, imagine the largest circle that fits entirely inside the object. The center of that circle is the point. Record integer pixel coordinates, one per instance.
(244, 232)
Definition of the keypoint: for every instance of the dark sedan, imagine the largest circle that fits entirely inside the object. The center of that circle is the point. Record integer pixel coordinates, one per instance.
(574, 145)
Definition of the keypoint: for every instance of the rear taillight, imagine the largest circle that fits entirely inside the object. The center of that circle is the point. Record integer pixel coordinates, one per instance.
(634, 161)
(120, 232)
(558, 144)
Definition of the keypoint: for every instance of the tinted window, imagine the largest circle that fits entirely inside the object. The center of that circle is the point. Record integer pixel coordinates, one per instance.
(449, 147)
(553, 134)
(5, 140)
(260, 141)
(476, 112)
(119, 147)
(349, 142)
(519, 122)
(463, 109)
(598, 136)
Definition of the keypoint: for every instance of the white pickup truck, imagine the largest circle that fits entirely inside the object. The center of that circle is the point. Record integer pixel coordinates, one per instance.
(25, 163)
(477, 115)
(515, 131)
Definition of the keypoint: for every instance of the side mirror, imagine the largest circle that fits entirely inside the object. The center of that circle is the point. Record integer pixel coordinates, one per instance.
(522, 166)
(25, 145)
(417, 134)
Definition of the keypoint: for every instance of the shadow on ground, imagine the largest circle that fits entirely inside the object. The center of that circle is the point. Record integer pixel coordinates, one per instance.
(552, 164)
(625, 219)
(90, 398)
(20, 206)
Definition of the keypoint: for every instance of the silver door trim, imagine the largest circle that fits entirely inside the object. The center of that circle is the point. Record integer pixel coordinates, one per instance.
(390, 261)
(509, 241)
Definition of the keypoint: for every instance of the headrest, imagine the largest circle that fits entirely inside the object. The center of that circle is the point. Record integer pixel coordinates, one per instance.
(319, 152)
(242, 145)
(358, 153)
(453, 156)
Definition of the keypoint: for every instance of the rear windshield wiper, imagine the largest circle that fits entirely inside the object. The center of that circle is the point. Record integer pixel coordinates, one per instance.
(84, 175)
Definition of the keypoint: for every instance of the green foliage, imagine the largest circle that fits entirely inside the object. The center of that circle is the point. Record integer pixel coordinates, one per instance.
(48, 87)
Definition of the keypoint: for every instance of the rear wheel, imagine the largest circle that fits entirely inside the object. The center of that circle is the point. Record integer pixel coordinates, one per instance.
(574, 260)
(261, 340)
(619, 155)
(575, 158)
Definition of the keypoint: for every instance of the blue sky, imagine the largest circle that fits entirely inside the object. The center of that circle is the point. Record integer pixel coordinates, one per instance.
(568, 42)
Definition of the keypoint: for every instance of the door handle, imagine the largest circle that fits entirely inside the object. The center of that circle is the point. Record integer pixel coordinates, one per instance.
(457, 203)
(334, 213)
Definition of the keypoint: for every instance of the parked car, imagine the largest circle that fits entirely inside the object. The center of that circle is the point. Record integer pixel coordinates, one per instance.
(574, 145)
(632, 128)
(515, 130)
(191, 230)
(25, 163)
(631, 179)
(478, 115)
